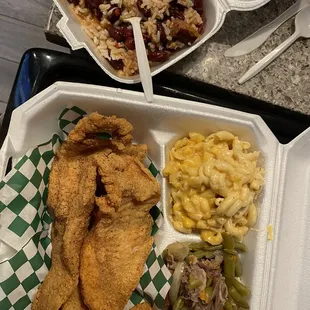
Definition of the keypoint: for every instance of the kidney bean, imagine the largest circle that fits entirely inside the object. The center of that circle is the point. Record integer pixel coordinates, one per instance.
(158, 56)
(198, 6)
(160, 28)
(143, 10)
(93, 5)
(127, 32)
(115, 33)
(184, 36)
(130, 43)
(200, 28)
(117, 64)
(183, 32)
(114, 15)
(75, 2)
(119, 33)
(176, 11)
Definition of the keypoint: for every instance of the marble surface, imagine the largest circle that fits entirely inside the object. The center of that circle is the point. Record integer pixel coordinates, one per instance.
(285, 82)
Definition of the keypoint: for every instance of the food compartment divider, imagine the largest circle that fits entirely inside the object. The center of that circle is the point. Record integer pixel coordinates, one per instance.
(290, 257)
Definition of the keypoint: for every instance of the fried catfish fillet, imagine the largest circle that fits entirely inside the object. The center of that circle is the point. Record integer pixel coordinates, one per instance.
(113, 258)
(83, 139)
(126, 179)
(114, 253)
(71, 197)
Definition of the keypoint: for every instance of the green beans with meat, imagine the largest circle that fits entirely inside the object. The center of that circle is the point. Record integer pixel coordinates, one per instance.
(231, 270)
(240, 246)
(241, 288)
(194, 283)
(202, 254)
(229, 265)
(238, 268)
(228, 242)
(239, 300)
(203, 246)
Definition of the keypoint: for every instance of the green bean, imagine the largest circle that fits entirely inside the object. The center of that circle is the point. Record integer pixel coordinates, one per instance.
(239, 300)
(241, 288)
(209, 282)
(229, 265)
(240, 246)
(232, 252)
(201, 254)
(213, 247)
(196, 246)
(228, 305)
(228, 241)
(194, 283)
(179, 304)
(209, 292)
(235, 307)
(238, 269)
(230, 299)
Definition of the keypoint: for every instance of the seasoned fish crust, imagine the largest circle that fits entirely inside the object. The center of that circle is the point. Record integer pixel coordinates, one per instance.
(113, 258)
(75, 301)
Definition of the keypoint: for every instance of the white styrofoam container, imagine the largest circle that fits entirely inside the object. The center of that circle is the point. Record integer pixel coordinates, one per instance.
(214, 10)
(278, 271)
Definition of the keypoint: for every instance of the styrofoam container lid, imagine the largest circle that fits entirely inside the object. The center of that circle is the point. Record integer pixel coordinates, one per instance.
(215, 12)
(277, 271)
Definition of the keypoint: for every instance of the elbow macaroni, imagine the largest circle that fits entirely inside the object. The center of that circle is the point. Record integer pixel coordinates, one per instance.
(215, 181)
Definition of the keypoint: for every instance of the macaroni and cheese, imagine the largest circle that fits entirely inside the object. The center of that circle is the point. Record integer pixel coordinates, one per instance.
(214, 182)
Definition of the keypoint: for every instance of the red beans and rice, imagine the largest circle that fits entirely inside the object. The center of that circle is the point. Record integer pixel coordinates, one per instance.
(167, 25)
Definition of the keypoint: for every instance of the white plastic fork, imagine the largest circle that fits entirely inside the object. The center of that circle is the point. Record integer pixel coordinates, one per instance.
(302, 29)
(143, 63)
(258, 38)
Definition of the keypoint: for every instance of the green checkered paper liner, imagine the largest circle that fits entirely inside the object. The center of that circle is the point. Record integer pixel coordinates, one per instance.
(25, 226)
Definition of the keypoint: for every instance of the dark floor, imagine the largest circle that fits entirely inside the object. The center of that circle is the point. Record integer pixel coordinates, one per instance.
(22, 27)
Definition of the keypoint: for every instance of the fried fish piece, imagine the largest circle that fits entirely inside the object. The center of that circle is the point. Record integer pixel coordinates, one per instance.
(83, 138)
(71, 196)
(75, 301)
(114, 253)
(125, 179)
(113, 258)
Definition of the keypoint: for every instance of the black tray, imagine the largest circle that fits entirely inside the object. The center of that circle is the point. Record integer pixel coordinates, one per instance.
(39, 68)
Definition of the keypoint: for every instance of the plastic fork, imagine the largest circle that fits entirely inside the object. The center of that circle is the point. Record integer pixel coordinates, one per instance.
(258, 38)
(302, 29)
(143, 63)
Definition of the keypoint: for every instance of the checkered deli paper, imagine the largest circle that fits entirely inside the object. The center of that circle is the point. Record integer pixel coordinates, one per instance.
(25, 226)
